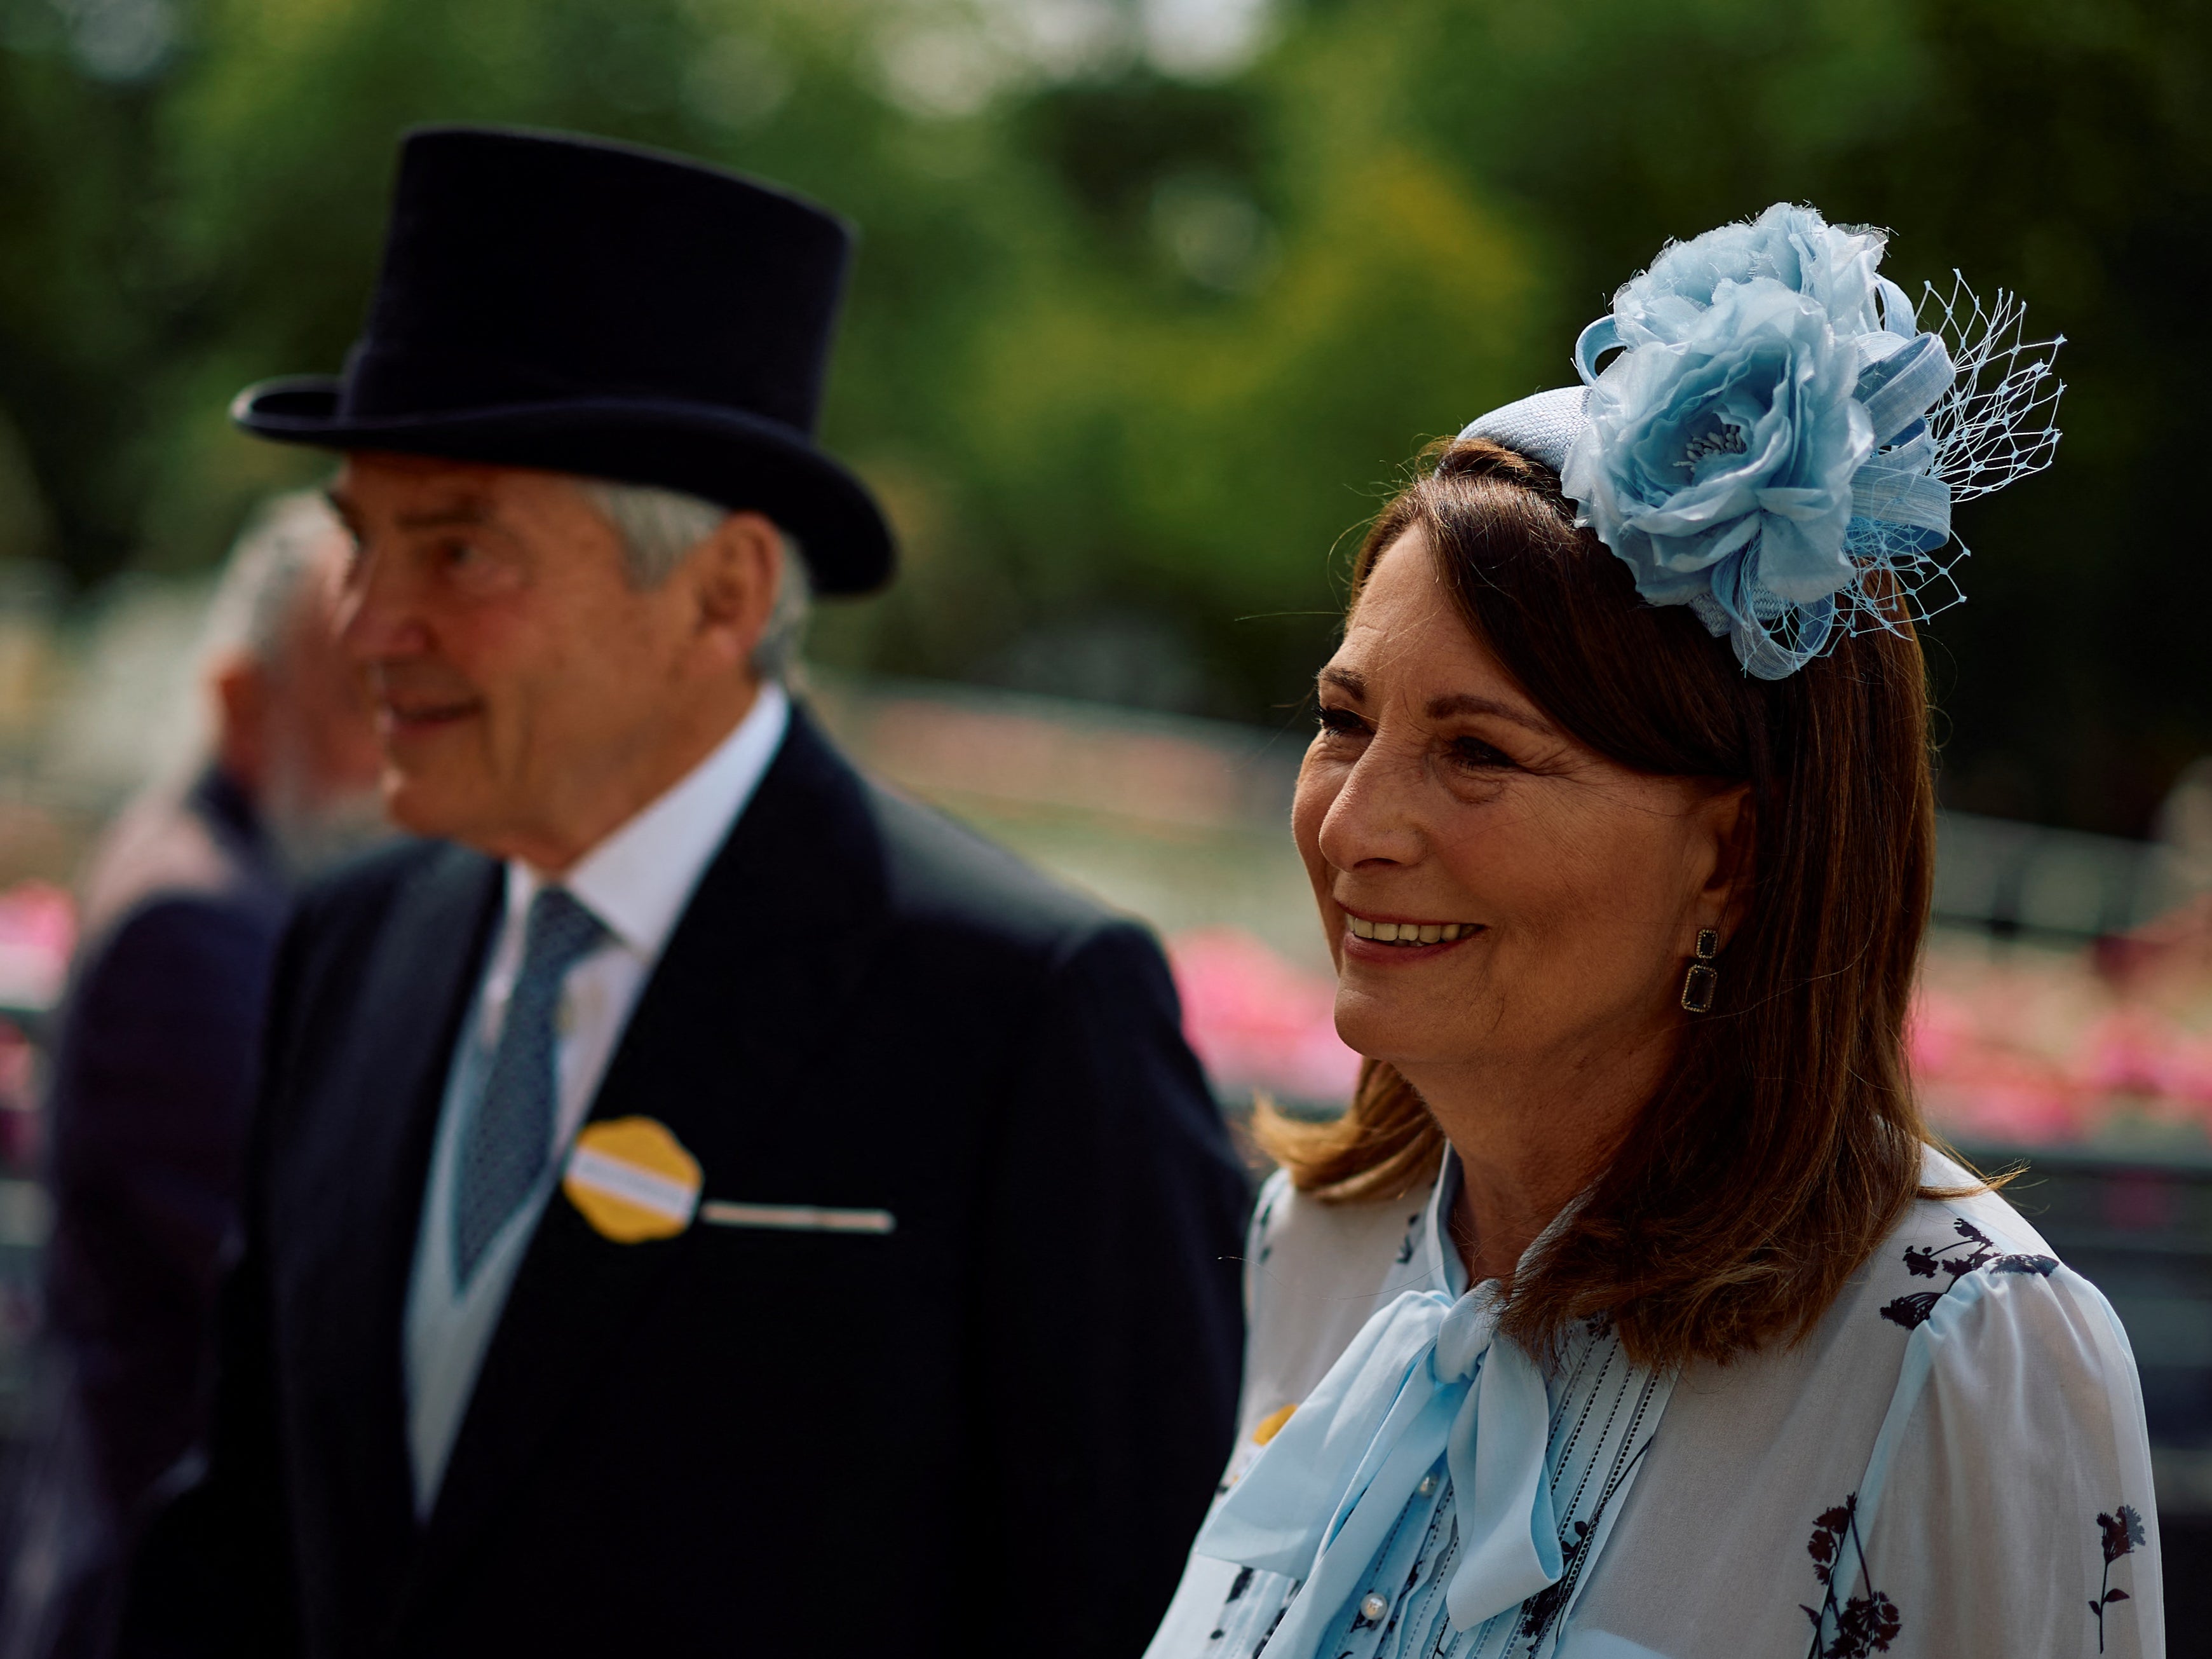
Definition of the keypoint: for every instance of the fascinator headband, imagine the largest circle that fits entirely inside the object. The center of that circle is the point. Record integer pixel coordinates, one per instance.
(1777, 442)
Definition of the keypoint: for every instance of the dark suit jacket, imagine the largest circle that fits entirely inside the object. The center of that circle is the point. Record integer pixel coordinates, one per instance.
(993, 1431)
(153, 1086)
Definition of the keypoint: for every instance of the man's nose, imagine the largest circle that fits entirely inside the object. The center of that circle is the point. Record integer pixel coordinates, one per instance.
(379, 615)
(1375, 821)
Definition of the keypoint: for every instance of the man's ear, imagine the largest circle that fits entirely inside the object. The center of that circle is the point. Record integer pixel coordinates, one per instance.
(734, 575)
(1731, 821)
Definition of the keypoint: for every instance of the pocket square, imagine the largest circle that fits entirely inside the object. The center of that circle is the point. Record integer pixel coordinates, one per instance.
(795, 1217)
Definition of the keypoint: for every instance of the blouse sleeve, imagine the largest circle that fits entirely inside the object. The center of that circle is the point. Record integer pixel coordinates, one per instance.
(1313, 1274)
(1194, 1627)
(1274, 1192)
(2007, 1507)
(1260, 1277)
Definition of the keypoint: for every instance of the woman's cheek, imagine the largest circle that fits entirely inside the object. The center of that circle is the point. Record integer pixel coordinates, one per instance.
(1319, 783)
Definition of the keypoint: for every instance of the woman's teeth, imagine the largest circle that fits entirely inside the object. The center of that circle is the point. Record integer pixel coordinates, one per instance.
(1407, 933)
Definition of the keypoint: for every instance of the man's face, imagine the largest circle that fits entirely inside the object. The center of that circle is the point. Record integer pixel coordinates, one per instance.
(527, 697)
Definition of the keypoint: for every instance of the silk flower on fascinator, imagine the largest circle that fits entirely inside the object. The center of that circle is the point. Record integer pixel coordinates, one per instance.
(1775, 428)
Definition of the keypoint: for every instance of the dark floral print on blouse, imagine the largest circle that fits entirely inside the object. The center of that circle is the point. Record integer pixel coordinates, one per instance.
(1538, 1611)
(2118, 1533)
(1863, 1625)
(1971, 1250)
(1412, 1241)
(1236, 1591)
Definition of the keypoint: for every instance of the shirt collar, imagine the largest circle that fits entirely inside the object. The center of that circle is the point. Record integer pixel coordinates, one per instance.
(1446, 1270)
(638, 880)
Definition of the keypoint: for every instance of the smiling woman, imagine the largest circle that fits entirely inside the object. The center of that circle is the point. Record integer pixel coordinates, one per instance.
(1580, 829)
(1632, 1311)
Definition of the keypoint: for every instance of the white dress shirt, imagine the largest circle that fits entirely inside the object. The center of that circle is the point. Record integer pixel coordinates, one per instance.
(637, 882)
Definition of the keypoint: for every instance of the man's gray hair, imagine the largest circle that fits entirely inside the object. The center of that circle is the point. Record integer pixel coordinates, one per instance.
(658, 527)
(282, 548)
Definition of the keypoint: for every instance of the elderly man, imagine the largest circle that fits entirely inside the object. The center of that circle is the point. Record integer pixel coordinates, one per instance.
(184, 902)
(717, 1206)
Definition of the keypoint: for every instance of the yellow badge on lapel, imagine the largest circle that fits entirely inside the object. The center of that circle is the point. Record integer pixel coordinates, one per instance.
(632, 1179)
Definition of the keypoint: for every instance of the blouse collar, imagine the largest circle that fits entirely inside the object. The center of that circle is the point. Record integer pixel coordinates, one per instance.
(1447, 1270)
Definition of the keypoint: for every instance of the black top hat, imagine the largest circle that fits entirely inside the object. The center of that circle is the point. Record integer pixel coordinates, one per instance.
(589, 307)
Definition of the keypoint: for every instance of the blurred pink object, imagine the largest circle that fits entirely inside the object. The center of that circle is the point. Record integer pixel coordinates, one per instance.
(2036, 1051)
(2038, 1048)
(1978, 1088)
(2134, 1051)
(1257, 1022)
(38, 931)
(1939, 1032)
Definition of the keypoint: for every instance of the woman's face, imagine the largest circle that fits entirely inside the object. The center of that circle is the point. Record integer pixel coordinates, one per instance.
(1553, 896)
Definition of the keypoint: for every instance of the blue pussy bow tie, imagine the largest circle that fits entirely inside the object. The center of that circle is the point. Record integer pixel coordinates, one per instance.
(1427, 1376)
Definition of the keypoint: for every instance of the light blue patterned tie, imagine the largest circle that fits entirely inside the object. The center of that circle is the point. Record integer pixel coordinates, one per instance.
(510, 1134)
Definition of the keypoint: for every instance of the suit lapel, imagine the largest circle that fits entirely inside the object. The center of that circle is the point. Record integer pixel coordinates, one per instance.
(352, 1239)
(749, 986)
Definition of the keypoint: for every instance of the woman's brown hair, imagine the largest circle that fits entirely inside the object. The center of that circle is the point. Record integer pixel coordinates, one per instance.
(1786, 1142)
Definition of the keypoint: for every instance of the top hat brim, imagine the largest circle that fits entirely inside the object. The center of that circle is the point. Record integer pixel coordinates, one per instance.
(745, 463)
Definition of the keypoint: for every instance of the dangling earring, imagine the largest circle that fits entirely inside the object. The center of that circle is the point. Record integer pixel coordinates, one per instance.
(1703, 979)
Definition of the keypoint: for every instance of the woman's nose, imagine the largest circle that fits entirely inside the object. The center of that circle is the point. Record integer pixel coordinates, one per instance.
(1374, 820)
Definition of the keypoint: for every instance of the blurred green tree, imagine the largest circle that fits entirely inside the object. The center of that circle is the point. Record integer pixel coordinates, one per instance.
(1156, 296)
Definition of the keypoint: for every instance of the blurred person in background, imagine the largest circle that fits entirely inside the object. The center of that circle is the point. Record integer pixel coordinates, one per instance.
(706, 1203)
(184, 901)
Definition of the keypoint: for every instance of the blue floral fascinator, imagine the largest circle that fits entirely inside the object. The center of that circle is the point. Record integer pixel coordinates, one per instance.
(1777, 444)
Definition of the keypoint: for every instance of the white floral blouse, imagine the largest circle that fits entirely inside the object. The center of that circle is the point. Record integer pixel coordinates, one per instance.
(1952, 1464)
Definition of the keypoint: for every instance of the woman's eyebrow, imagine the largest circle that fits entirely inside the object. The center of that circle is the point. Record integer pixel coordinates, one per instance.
(1443, 708)
(1353, 685)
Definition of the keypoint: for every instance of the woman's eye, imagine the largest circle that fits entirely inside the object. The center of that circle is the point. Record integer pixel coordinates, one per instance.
(1474, 753)
(1341, 722)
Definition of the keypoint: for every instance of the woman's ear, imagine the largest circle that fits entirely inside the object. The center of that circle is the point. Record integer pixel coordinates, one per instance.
(1731, 823)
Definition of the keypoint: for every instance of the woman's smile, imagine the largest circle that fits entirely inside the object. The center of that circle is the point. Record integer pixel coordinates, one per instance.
(1401, 939)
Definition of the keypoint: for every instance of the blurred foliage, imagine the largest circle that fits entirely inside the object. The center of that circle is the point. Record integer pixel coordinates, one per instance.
(1158, 296)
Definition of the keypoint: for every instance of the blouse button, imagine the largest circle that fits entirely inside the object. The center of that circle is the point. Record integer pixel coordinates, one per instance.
(1428, 1484)
(1373, 1607)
